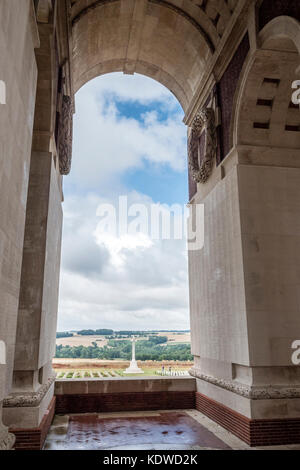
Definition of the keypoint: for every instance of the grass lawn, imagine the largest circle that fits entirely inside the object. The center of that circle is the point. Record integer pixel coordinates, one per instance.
(108, 373)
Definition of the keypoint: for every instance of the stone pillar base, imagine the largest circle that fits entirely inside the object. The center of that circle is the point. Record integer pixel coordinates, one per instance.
(34, 438)
(255, 432)
(26, 410)
(259, 416)
(133, 368)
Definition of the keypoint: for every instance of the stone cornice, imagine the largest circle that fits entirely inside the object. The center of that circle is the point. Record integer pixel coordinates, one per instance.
(251, 392)
(26, 399)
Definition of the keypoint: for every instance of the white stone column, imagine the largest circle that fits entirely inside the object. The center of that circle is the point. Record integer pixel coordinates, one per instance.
(244, 284)
(35, 340)
(19, 74)
(32, 388)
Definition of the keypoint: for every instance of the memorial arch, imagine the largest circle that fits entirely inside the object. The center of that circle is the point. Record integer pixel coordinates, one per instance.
(231, 65)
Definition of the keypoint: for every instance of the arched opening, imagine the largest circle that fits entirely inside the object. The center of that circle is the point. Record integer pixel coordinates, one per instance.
(230, 64)
(160, 40)
(129, 157)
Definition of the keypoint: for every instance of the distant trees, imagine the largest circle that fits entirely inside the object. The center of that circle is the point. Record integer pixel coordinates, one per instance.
(63, 334)
(158, 339)
(86, 332)
(101, 332)
(129, 333)
(115, 334)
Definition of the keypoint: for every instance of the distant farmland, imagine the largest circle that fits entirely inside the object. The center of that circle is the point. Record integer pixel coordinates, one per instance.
(78, 340)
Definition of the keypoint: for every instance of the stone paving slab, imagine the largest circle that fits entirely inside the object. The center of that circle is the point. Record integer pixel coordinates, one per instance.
(144, 430)
(155, 430)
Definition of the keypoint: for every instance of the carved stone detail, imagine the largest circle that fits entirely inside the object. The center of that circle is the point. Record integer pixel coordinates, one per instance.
(65, 135)
(28, 399)
(204, 121)
(7, 439)
(251, 392)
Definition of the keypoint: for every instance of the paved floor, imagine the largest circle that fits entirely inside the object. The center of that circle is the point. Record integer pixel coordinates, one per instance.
(157, 430)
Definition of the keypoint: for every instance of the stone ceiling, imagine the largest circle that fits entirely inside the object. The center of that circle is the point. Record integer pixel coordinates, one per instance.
(171, 41)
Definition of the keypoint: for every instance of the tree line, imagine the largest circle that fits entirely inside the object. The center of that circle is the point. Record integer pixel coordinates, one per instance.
(105, 332)
(64, 334)
(152, 349)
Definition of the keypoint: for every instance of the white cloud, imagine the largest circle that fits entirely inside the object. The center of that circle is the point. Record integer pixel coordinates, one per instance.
(106, 144)
(132, 281)
(125, 282)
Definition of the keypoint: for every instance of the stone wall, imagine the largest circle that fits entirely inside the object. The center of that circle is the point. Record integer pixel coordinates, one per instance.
(18, 70)
(217, 298)
(130, 394)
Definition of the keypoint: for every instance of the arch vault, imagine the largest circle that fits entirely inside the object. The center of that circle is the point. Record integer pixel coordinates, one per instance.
(231, 65)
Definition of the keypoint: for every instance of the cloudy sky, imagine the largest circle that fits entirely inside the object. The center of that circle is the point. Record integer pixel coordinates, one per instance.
(129, 140)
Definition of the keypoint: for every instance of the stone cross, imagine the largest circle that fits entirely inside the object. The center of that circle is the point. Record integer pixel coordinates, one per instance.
(133, 368)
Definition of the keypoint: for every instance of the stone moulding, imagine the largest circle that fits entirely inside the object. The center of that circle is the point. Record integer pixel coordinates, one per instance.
(28, 399)
(204, 121)
(65, 136)
(253, 393)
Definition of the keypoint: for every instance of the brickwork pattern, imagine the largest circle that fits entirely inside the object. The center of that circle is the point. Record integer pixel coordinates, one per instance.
(255, 432)
(110, 402)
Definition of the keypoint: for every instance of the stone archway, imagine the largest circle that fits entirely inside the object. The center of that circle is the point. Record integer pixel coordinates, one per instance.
(220, 59)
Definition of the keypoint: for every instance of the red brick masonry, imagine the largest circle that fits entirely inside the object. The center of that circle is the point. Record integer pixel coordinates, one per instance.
(255, 432)
(33, 439)
(109, 402)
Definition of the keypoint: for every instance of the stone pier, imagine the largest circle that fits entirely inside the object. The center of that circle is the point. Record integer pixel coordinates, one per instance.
(231, 64)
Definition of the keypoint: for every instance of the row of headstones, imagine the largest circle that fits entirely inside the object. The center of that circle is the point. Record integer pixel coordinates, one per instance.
(87, 374)
(173, 373)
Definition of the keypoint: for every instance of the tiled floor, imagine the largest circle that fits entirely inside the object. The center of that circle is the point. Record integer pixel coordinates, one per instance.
(157, 430)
